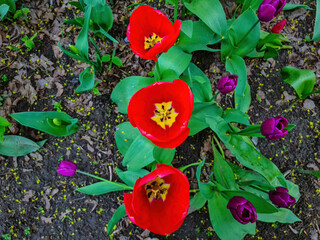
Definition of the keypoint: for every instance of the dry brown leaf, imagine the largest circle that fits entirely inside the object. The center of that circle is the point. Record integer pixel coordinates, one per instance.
(60, 89)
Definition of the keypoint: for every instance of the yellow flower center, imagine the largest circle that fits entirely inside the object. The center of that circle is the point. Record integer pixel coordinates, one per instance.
(151, 41)
(156, 189)
(164, 114)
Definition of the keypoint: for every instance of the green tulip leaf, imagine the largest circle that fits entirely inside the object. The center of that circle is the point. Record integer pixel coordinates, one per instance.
(242, 148)
(302, 80)
(102, 15)
(195, 36)
(290, 6)
(283, 215)
(139, 154)
(4, 8)
(222, 171)
(197, 202)
(175, 60)
(58, 124)
(206, 189)
(200, 111)
(253, 4)
(77, 5)
(251, 131)
(16, 146)
(103, 187)
(130, 177)
(3, 124)
(236, 65)
(86, 79)
(246, 177)
(125, 135)
(82, 40)
(242, 36)
(126, 88)
(210, 12)
(243, 101)
(236, 116)
(118, 214)
(10, 3)
(316, 31)
(199, 84)
(163, 155)
(314, 173)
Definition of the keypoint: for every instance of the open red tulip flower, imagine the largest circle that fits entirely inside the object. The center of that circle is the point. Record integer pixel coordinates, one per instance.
(159, 201)
(162, 111)
(150, 32)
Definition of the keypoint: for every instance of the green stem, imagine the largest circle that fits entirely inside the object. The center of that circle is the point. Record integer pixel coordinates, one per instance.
(105, 180)
(194, 190)
(183, 12)
(111, 2)
(113, 54)
(182, 169)
(157, 69)
(235, 12)
(176, 10)
(93, 176)
(219, 146)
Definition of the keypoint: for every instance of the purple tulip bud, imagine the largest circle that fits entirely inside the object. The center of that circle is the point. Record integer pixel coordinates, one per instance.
(281, 198)
(67, 168)
(273, 128)
(242, 210)
(227, 84)
(269, 9)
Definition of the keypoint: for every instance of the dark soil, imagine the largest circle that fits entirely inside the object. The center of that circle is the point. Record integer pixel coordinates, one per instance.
(38, 203)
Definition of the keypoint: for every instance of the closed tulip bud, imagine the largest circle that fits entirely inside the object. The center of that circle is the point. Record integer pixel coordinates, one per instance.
(228, 83)
(242, 210)
(278, 27)
(274, 128)
(281, 198)
(67, 168)
(269, 9)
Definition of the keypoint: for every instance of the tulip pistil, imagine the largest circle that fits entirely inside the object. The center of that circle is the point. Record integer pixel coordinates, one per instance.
(151, 41)
(156, 189)
(164, 114)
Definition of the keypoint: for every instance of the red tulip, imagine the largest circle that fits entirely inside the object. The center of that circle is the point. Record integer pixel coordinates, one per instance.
(278, 27)
(162, 111)
(150, 32)
(159, 201)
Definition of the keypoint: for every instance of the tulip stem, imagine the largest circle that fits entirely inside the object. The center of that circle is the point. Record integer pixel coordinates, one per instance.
(235, 12)
(157, 69)
(194, 190)
(182, 169)
(219, 146)
(176, 10)
(102, 179)
(91, 175)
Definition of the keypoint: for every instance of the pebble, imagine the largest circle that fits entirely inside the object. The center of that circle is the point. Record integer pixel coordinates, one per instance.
(308, 104)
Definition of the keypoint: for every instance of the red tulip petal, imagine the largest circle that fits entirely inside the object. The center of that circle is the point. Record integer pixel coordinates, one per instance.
(145, 21)
(140, 111)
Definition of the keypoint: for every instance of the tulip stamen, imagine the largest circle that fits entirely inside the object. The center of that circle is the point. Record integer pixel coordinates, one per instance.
(164, 114)
(156, 189)
(151, 41)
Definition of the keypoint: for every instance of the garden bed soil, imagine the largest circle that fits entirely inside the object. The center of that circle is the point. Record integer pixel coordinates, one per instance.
(38, 203)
